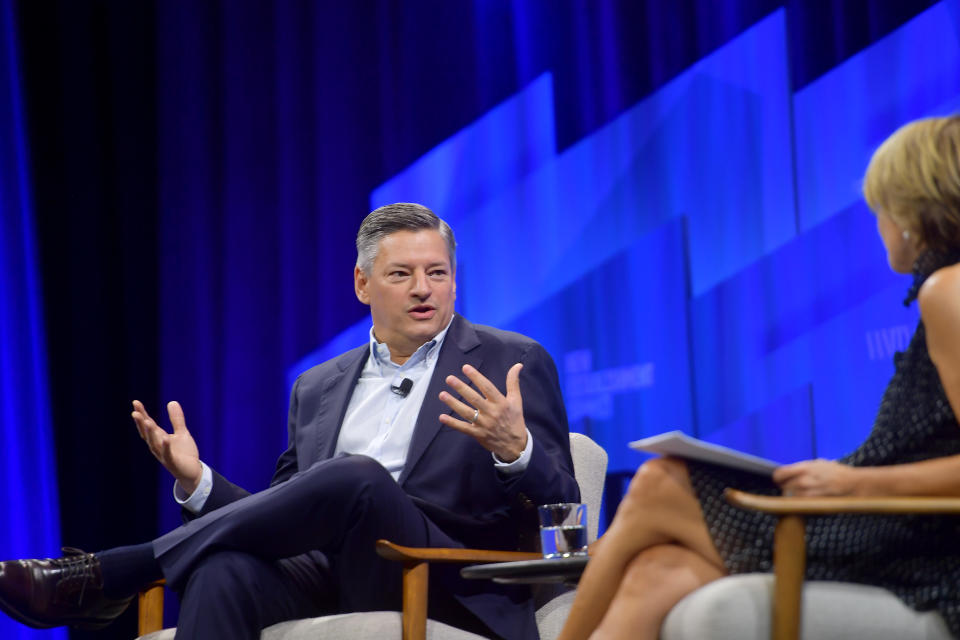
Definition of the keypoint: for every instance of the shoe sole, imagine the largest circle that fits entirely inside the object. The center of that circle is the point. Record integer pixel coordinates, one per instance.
(16, 615)
(86, 625)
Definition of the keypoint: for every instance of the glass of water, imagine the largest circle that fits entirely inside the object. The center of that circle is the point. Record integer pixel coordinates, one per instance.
(563, 529)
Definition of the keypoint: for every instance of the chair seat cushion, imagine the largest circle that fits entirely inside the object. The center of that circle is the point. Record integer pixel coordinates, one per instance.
(374, 625)
(738, 608)
(553, 614)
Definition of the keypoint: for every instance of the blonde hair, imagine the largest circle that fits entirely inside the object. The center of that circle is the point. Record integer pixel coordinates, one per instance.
(914, 178)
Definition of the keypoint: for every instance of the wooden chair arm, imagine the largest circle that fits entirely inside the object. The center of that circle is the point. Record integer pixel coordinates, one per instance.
(783, 505)
(150, 608)
(399, 553)
(789, 539)
(415, 561)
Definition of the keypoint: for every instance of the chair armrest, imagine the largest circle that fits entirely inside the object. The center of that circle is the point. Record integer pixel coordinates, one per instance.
(399, 553)
(150, 608)
(415, 583)
(789, 539)
(416, 574)
(797, 505)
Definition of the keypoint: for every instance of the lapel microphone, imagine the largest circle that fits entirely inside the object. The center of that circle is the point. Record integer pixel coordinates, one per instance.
(403, 388)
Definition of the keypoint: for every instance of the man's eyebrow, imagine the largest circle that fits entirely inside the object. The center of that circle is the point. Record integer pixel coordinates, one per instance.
(405, 265)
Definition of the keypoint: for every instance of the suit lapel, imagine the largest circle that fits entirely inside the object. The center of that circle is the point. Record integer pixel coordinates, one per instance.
(335, 397)
(461, 346)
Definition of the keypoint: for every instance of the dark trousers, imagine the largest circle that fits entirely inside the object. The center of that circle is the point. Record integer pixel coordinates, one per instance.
(301, 548)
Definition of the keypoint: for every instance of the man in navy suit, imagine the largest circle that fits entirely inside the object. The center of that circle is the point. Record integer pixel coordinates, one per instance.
(408, 438)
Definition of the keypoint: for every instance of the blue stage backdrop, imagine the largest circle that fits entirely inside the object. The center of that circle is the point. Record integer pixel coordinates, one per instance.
(704, 262)
(517, 121)
(28, 484)
(666, 195)
(695, 256)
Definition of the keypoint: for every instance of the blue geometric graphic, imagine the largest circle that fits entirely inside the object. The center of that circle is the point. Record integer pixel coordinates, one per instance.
(843, 116)
(620, 342)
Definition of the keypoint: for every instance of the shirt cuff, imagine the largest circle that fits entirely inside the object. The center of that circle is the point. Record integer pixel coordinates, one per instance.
(195, 501)
(520, 464)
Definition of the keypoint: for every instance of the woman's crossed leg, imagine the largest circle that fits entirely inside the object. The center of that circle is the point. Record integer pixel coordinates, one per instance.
(656, 551)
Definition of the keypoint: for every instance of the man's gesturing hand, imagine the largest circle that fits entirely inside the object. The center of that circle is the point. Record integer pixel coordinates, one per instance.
(176, 451)
(494, 419)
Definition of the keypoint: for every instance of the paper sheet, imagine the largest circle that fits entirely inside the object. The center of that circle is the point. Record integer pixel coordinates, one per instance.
(679, 444)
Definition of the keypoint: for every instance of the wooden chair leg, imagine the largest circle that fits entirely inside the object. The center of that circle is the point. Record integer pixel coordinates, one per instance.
(789, 562)
(150, 610)
(415, 583)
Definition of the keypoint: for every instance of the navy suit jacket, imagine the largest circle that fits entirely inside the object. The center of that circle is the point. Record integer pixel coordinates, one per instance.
(447, 474)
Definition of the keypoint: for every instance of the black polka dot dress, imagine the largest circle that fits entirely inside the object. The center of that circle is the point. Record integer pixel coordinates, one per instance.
(915, 557)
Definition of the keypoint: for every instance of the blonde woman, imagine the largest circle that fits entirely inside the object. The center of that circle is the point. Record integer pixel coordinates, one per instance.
(674, 532)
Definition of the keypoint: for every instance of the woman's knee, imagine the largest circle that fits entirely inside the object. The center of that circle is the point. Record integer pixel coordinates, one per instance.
(664, 567)
(670, 568)
(661, 558)
(657, 481)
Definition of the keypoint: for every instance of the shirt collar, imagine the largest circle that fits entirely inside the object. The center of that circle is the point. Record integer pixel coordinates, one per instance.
(380, 352)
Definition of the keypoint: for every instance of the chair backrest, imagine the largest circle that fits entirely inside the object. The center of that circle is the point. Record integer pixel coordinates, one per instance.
(552, 601)
(590, 470)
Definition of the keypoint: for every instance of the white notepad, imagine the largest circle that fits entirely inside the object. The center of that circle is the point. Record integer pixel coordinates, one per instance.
(679, 444)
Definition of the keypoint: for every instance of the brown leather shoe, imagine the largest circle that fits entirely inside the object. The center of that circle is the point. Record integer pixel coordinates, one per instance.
(58, 591)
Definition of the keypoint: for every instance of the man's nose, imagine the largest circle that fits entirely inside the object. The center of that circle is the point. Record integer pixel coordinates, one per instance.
(421, 284)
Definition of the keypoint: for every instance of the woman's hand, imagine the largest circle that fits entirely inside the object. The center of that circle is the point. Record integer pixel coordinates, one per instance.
(817, 478)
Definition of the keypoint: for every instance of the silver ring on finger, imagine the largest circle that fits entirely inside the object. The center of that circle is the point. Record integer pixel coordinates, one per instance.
(476, 415)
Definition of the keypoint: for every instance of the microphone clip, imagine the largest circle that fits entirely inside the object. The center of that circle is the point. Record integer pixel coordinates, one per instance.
(403, 388)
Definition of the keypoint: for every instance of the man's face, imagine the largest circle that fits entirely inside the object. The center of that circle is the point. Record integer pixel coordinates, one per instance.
(410, 290)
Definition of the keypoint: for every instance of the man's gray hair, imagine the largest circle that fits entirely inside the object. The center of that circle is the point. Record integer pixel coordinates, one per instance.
(401, 216)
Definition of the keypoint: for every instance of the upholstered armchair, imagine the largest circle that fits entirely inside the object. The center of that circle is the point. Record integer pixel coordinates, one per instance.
(784, 607)
(590, 465)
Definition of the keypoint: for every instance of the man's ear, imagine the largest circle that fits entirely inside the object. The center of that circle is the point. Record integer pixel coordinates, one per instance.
(360, 282)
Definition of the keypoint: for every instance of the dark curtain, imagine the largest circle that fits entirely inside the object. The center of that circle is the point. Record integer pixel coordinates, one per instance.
(28, 490)
(199, 170)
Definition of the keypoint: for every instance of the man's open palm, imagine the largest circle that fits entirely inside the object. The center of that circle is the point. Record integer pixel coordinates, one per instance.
(176, 451)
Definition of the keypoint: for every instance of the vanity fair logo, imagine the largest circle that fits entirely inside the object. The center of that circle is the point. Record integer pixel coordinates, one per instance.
(590, 393)
(883, 343)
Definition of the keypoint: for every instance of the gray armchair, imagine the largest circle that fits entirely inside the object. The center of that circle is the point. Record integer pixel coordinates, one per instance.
(590, 465)
(757, 606)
